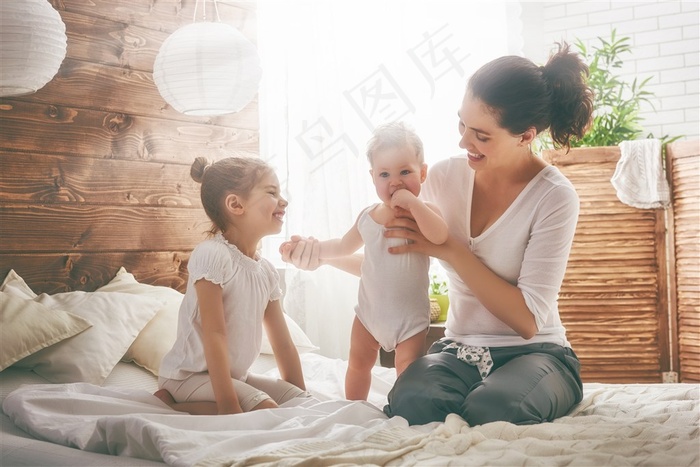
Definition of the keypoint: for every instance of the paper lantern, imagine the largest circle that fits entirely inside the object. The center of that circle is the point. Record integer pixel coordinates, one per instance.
(207, 68)
(32, 45)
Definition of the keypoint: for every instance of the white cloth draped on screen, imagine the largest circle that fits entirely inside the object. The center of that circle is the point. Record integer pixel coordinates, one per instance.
(639, 177)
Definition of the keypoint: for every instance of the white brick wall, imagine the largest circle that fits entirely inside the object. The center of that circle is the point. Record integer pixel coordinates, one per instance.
(665, 40)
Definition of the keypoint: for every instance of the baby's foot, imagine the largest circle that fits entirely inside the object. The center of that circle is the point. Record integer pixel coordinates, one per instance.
(165, 396)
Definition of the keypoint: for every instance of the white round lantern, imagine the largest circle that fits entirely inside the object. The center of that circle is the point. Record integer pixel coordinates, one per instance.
(207, 68)
(32, 45)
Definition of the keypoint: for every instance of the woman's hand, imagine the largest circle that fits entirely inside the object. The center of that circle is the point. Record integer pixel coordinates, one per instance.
(405, 227)
(302, 252)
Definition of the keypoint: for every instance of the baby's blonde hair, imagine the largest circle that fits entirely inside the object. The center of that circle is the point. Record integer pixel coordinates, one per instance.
(391, 135)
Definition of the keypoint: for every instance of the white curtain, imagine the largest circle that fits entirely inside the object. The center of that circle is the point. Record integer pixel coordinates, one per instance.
(332, 70)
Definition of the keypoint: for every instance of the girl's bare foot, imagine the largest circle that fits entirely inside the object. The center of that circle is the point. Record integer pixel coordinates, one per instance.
(165, 396)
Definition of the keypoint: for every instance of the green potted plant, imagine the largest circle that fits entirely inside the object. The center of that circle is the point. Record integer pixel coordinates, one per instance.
(617, 102)
(438, 293)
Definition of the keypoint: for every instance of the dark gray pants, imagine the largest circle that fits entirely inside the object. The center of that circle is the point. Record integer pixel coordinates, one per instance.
(528, 384)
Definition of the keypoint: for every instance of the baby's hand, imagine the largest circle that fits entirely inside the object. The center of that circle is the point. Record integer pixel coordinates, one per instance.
(402, 199)
(287, 247)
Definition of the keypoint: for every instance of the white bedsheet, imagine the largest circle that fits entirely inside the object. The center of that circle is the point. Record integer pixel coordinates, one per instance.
(614, 425)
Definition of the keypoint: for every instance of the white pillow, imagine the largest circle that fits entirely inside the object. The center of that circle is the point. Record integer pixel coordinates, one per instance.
(27, 326)
(15, 285)
(90, 356)
(158, 336)
(299, 337)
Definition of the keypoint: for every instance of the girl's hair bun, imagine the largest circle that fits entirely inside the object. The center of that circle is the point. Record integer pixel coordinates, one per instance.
(199, 166)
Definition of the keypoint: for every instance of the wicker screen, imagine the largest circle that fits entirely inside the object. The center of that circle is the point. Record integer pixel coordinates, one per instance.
(613, 301)
(684, 164)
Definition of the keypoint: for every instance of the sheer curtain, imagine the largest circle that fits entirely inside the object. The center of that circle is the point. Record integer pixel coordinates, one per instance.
(332, 70)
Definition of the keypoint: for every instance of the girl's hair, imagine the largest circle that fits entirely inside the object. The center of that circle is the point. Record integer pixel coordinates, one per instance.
(523, 95)
(394, 134)
(233, 175)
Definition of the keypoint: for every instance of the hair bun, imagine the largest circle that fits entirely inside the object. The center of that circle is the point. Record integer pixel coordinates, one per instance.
(199, 167)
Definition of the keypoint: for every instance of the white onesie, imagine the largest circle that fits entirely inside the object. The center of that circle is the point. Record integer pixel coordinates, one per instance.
(393, 302)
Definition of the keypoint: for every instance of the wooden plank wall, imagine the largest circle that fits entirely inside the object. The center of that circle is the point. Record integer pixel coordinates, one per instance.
(95, 165)
(684, 173)
(613, 300)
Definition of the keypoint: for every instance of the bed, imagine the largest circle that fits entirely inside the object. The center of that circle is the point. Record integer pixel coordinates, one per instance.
(79, 370)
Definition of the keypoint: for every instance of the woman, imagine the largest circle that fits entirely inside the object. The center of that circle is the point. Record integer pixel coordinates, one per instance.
(511, 217)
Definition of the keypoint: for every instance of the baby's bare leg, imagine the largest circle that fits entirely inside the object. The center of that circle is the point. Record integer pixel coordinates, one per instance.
(363, 355)
(409, 350)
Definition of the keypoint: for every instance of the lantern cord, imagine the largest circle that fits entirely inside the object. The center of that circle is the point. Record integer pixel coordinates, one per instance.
(204, 11)
(216, 9)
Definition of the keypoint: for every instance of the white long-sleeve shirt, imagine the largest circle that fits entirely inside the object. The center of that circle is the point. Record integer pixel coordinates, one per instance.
(528, 246)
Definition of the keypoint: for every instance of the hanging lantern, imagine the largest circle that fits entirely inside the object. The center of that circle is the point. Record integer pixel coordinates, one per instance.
(32, 45)
(207, 68)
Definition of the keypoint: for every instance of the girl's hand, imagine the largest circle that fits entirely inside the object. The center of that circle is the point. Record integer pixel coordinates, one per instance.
(302, 252)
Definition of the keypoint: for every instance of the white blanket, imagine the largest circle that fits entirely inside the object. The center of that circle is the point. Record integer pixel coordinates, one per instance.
(614, 425)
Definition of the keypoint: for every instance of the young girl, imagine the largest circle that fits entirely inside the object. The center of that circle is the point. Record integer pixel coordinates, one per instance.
(231, 293)
(393, 305)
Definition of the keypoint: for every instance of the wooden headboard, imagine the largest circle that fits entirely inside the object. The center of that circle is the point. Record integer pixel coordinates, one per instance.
(95, 165)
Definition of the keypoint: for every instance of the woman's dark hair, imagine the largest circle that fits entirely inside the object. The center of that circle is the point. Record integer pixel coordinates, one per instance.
(233, 175)
(523, 95)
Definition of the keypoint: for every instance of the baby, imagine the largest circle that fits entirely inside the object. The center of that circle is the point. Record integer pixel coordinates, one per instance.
(393, 309)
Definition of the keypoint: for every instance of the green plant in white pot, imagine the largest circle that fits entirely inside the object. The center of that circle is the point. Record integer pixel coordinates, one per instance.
(438, 292)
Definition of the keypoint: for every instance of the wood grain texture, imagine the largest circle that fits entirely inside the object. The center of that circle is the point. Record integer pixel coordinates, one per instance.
(611, 301)
(684, 167)
(106, 87)
(48, 179)
(164, 15)
(96, 165)
(75, 131)
(85, 228)
(65, 272)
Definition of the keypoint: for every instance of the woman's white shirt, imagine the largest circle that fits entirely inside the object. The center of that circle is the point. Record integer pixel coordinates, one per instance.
(248, 285)
(528, 246)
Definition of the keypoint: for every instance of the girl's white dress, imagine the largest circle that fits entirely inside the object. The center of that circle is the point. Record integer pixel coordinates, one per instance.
(248, 286)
